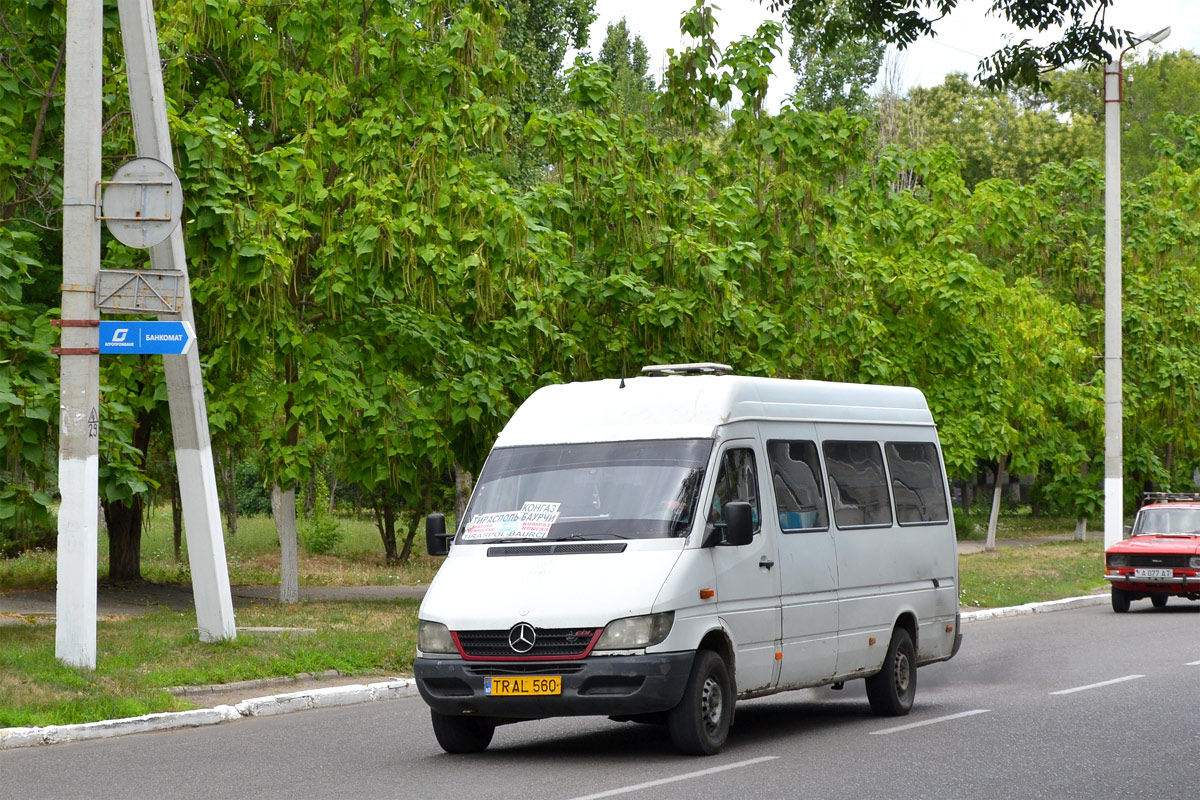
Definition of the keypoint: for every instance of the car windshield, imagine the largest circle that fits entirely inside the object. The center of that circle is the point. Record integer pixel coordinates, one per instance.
(1167, 520)
(604, 490)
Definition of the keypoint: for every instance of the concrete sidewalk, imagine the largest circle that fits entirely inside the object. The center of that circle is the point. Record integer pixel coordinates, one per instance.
(978, 546)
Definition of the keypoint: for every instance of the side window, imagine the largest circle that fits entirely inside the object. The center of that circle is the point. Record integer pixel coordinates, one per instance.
(737, 479)
(796, 479)
(917, 482)
(857, 486)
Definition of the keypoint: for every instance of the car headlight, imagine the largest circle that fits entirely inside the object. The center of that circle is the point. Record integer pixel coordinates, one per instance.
(1118, 560)
(1194, 562)
(634, 633)
(434, 637)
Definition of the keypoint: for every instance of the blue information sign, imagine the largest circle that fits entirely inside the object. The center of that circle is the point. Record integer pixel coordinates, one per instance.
(161, 338)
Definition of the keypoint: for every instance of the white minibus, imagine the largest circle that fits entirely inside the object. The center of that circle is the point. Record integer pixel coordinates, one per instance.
(655, 549)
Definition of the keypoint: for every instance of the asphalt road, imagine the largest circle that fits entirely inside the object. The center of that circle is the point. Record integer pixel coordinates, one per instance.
(1074, 704)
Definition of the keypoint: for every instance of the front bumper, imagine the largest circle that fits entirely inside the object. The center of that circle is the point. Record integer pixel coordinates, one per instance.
(1177, 584)
(604, 685)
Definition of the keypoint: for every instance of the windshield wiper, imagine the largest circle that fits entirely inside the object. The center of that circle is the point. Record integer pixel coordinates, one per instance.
(589, 537)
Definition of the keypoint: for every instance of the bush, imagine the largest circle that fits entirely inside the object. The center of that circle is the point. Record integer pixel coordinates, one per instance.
(964, 527)
(253, 498)
(34, 537)
(320, 534)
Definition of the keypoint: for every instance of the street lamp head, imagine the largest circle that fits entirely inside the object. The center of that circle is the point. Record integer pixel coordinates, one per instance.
(1154, 38)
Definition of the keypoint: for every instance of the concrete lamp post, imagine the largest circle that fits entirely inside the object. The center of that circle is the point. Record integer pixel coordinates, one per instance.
(1113, 437)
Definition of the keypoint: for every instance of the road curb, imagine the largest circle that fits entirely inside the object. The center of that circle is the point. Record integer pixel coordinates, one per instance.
(1035, 608)
(328, 697)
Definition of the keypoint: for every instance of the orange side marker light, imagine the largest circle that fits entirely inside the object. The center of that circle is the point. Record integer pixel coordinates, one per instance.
(706, 594)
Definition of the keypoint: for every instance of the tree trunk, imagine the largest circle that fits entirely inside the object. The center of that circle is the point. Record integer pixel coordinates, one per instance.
(176, 516)
(1081, 529)
(333, 483)
(464, 482)
(995, 515)
(385, 521)
(310, 495)
(229, 475)
(124, 539)
(413, 523)
(283, 508)
(125, 519)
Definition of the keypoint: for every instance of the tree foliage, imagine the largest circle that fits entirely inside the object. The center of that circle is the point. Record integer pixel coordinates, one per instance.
(1084, 35)
(838, 76)
(376, 289)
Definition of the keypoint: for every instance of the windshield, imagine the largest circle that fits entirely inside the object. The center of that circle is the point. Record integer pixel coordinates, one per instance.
(604, 490)
(1167, 520)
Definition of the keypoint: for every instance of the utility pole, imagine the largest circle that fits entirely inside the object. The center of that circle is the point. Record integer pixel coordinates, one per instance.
(1114, 470)
(79, 420)
(185, 386)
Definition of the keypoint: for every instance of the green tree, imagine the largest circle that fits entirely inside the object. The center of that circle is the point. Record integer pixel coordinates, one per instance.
(627, 57)
(991, 131)
(1084, 35)
(834, 76)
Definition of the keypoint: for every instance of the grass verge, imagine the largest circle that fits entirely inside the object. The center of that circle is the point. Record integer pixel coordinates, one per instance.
(253, 558)
(138, 658)
(1012, 576)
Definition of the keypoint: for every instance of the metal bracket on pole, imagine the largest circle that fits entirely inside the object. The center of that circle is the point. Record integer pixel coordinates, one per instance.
(140, 291)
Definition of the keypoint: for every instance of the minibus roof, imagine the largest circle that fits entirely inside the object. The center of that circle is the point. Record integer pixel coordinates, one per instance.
(693, 406)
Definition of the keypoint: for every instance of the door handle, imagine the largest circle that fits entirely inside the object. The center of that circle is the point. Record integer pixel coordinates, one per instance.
(766, 562)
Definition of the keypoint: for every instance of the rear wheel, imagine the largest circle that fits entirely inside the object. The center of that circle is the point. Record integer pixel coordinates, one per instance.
(1120, 600)
(462, 734)
(699, 725)
(892, 689)
(1159, 600)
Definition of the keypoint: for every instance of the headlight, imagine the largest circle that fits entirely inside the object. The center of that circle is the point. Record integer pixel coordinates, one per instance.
(1118, 560)
(634, 633)
(434, 637)
(1194, 562)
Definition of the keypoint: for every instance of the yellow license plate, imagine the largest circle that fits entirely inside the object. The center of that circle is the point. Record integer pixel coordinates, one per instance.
(522, 686)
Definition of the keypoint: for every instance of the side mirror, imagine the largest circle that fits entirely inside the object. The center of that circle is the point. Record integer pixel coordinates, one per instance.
(1127, 530)
(436, 541)
(739, 523)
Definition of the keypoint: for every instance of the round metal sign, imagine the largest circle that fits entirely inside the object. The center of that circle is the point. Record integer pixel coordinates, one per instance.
(142, 203)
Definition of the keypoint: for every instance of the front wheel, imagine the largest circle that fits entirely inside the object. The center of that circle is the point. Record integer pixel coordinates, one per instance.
(892, 689)
(1159, 600)
(699, 725)
(1120, 600)
(462, 734)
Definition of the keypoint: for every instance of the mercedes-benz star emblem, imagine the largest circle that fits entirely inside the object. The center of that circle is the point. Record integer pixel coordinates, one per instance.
(521, 637)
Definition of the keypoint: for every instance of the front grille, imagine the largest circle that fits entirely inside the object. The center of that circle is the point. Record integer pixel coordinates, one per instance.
(549, 643)
(492, 670)
(1141, 560)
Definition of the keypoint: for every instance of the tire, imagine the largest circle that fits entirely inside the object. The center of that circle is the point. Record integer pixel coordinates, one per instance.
(1120, 600)
(892, 689)
(699, 725)
(1159, 600)
(462, 734)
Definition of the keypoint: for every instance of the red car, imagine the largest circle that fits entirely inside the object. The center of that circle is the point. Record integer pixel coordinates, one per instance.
(1161, 557)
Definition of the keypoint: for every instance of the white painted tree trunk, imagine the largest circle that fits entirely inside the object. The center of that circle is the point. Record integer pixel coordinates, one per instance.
(283, 508)
(1081, 529)
(995, 515)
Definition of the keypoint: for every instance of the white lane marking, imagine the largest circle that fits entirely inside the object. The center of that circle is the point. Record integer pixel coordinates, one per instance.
(933, 721)
(1192, 664)
(686, 776)
(1098, 685)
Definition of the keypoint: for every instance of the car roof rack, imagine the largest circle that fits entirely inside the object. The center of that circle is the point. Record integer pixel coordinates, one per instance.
(701, 368)
(1149, 498)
